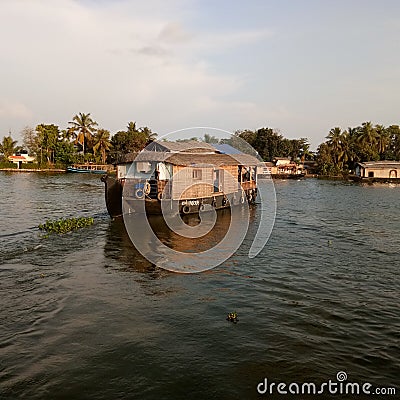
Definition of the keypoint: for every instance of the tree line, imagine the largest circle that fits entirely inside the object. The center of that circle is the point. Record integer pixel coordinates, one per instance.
(341, 151)
(269, 144)
(81, 141)
(84, 141)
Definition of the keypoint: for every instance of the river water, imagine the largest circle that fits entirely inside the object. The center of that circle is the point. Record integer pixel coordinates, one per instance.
(84, 316)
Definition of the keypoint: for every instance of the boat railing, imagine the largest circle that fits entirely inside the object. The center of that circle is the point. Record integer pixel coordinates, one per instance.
(94, 167)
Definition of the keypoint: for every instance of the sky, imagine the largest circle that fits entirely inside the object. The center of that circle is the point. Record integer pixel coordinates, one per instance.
(301, 67)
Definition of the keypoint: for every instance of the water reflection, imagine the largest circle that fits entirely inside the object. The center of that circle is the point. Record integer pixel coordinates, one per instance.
(119, 246)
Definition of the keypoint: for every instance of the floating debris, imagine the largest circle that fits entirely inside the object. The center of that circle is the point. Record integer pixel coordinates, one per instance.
(232, 317)
(65, 225)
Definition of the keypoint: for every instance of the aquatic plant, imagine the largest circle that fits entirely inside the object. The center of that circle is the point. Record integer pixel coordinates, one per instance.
(65, 225)
(232, 317)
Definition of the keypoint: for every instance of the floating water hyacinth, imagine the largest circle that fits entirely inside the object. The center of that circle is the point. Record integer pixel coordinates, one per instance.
(232, 317)
(65, 225)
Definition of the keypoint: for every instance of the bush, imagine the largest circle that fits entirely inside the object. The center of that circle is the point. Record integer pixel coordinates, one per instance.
(30, 166)
(6, 164)
(65, 225)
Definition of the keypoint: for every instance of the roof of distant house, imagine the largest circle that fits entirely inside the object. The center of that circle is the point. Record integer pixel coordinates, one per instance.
(380, 164)
(22, 158)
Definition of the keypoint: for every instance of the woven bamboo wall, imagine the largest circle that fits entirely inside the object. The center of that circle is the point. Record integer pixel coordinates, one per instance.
(186, 187)
(229, 178)
(196, 191)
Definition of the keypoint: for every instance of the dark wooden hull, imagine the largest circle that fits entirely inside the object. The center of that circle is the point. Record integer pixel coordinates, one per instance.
(287, 176)
(113, 195)
(114, 198)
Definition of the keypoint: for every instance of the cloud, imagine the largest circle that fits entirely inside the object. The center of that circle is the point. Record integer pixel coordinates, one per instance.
(153, 51)
(173, 32)
(119, 61)
(14, 110)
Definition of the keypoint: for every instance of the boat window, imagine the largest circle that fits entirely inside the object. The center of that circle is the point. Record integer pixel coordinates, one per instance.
(164, 171)
(143, 166)
(245, 174)
(197, 174)
(140, 170)
(216, 180)
(371, 174)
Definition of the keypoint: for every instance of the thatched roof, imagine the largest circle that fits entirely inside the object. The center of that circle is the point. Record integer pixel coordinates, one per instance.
(199, 159)
(190, 146)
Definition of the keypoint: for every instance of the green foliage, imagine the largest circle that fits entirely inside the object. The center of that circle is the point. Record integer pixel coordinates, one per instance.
(65, 153)
(65, 225)
(270, 144)
(7, 147)
(5, 164)
(102, 143)
(130, 141)
(53, 147)
(367, 142)
(47, 137)
(210, 138)
(83, 126)
(232, 317)
(30, 166)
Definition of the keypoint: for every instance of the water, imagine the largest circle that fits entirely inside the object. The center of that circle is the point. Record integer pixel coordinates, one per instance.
(83, 316)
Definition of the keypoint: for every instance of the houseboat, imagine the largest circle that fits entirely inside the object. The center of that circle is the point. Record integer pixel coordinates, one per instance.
(90, 168)
(194, 175)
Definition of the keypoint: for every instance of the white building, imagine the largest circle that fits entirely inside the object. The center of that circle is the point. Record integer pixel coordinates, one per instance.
(379, 169)
(21, 159)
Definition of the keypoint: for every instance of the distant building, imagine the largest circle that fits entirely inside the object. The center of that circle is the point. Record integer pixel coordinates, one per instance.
(282, 161)
(378, 169)
(285, 166)
(21, 158)
(282, 167)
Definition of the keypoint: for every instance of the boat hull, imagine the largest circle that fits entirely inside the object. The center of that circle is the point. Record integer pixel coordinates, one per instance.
(287, 176)
(86, 171)
(114, 198)
(113, 195)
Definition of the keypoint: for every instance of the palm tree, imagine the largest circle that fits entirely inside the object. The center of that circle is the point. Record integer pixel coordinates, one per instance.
(346, 152)
(102, 143)
(131, 127)
(334, 141)
(138, 138)
(69, 134)
(210, 138)
(306, 154)
(367, 138)
(7, 147)
(85, 126)
(150, 136)
(352, 132)
(383, 139)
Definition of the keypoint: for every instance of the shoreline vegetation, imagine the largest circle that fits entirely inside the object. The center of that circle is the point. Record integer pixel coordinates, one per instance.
(44, 170)
(82, 141)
